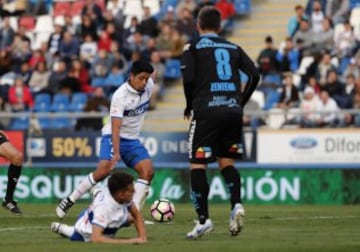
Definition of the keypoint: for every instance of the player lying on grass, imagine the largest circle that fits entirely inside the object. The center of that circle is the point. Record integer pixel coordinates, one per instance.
(111, 209)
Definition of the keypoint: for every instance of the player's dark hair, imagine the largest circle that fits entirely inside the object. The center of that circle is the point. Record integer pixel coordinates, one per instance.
(119, 181)
(140, 67)
(209, 18)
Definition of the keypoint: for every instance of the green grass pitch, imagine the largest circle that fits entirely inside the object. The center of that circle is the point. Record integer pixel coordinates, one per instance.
(268, 228)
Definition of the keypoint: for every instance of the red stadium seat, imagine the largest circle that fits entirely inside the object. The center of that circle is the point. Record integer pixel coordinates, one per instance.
(101, 4)
(77, 8)
(62, 8)
(28, 22)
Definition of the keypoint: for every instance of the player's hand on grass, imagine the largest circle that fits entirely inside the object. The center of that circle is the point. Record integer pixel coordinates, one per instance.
(139, 240)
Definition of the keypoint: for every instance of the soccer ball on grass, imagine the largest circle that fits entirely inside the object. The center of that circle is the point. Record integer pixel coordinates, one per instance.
(162, 210)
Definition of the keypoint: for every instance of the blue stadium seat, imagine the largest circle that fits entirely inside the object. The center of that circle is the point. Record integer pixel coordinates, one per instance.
(78, 101)
(60, 123)
(172, 69)
(44, 123)
(42, 103)
(61, 103)
(20, 123)
(272, 79)
(242, 7)
(98, 82)
(114, 80)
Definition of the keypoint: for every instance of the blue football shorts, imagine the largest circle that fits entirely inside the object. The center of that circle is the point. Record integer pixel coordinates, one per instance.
(132, 151)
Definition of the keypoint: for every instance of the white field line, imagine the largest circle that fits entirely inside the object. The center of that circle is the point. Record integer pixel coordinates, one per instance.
(9, 229)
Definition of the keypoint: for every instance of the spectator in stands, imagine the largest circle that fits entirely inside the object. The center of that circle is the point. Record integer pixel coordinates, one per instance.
(119, 57)
(25, 72)
(324, 39)
(49, 57)
(288, 57)
(150, 47)
(136, 43)
(186, 24)
(294, 21)
(289, 96)
(21, 51)
(116, 7)
(40, 78)
(336, 89)
(177, 43)
(170, 17)
(104, 41)
(92, 9)
(352, 69)
(69, 25)
(20, 97)
(7, 34)
(159, 83)
(338, 10)
(324, 67)
(327, 108)
(267, 58)
(188, 4)
(308, 117)
(349, 84)
(303, 38)
(81, 73)
(227, 10)
(87, 27)
(316, 17)
(70, 84)
(97, 103)
(346, 41)
(102, 64)
(114, 33)
(163, 41)
(88, 49)
(6, 62)
(69, 47)
(149, 25)
(36, 57)
(55, 38)
(313, 83)
(134, 27)
(58, 74)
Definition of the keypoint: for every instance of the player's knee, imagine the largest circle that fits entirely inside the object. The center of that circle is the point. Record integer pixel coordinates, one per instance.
(18, 159)
(147, 173)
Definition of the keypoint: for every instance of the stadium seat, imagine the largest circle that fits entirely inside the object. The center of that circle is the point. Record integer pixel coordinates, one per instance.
(77, 7)
(28, 22)
(44, 23)
(272, 79)
(259, 97)
(20, 123)
(45, 123)
(61, 103)
(40, 38)
(42, 103)
(172, 69)
(114, 80)
(78, 101)
(304, 64)
(60, 123)
(61, 8)
(101, 4)
(355, 20)
(98, 82)
(133, 8)
(242, 7)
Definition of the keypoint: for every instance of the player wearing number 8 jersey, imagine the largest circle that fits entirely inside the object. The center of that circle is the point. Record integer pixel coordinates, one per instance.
(120, 137)
(215, 101)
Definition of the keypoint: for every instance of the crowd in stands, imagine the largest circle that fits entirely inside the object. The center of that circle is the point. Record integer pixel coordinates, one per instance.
(51, 49)
(315, 71)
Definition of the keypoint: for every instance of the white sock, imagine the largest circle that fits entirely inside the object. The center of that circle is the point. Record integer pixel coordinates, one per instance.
(66, 230)
(141, 192)
(83, 187)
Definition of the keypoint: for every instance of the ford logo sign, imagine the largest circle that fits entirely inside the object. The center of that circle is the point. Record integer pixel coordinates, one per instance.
(303, 143)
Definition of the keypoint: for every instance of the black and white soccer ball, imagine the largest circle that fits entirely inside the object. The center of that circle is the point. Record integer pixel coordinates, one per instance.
(162, 210)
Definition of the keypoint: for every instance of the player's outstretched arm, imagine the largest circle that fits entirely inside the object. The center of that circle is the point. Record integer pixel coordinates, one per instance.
(97, 236)
(138, 222)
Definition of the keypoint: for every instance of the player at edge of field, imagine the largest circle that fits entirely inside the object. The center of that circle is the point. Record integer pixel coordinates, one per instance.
(120, 137)
(111, 209)
(214, 103)
(8, 151)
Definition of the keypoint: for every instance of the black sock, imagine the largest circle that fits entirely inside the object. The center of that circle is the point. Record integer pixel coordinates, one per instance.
(232, 180)
(199, 193)
(13, 177)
